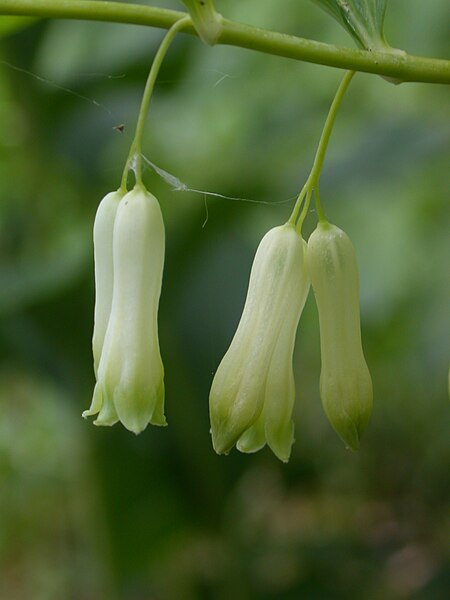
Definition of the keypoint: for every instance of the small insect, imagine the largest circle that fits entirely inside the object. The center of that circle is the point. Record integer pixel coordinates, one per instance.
(120, 128)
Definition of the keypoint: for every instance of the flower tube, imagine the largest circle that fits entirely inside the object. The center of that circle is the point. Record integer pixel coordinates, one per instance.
(130, 385)
(345, 383)
(252, 394)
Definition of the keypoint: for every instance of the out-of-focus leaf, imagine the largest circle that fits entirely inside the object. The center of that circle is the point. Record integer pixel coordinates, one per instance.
(43, 457)
(36, 278)
(363, 19)
(72, 50)
(12, 24)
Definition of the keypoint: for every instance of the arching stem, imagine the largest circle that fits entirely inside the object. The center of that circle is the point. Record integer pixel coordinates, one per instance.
(388, 64)
(312, 183)
(134, 159)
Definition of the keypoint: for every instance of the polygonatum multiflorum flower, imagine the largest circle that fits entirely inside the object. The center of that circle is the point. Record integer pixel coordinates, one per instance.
(345, 383)
(253, 391)
(130, 376)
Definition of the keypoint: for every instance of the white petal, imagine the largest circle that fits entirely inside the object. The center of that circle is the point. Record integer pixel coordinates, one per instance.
(103, 261)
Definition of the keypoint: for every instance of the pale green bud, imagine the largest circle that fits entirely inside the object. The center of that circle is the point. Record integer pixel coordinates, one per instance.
(253, 393)
(130, 385)
(345, 383)
(103, 265)
(207, 21)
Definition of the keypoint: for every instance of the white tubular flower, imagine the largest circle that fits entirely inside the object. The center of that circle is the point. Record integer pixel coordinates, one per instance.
(345, 383)
(253, 393)
(130, 385)
(103, 263)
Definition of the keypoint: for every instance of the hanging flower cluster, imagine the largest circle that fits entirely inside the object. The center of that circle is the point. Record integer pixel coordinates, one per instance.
(129, 242)
(129, 259)
(253, 391)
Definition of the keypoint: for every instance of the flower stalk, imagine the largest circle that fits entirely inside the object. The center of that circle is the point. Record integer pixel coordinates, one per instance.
(312, 183)
(134, 159)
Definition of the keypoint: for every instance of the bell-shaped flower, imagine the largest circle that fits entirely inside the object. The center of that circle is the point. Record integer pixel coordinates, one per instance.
(253, 392)
(345, 383)
(130, 378)
(103, 266)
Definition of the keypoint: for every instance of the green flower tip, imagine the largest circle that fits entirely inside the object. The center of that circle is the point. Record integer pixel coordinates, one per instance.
(252, 440)
(347, 402)
(279, 438)
(349, 433)
(222, 440)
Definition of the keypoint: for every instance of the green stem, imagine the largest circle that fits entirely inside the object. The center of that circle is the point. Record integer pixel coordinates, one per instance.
(312, 183)
(389, 64)
(319, 208)
(135, 153)
(298, 203)
(328, 128)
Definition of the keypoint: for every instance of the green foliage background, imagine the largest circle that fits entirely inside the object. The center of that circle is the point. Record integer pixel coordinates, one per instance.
(90, 513)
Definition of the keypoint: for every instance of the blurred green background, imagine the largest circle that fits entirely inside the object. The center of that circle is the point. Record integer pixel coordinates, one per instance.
(89, 513)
